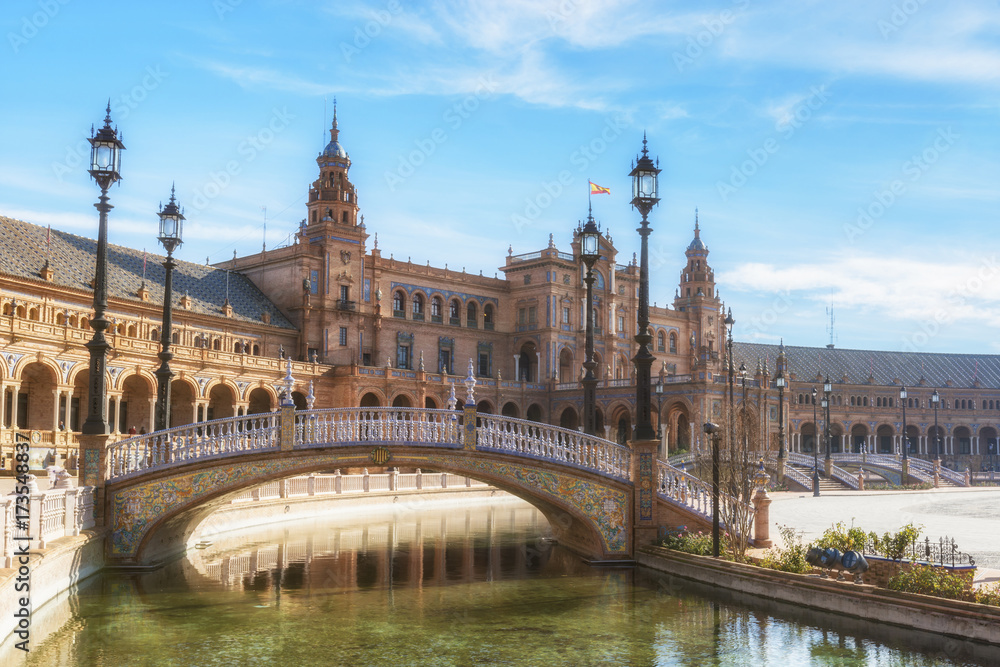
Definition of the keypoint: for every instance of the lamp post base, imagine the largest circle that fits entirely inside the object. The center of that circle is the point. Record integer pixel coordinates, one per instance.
(815, 483)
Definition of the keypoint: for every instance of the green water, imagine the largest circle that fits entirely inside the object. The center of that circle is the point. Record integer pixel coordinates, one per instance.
(459, 586)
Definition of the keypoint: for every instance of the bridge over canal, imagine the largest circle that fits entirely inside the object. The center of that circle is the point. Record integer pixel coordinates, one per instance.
(602, 499)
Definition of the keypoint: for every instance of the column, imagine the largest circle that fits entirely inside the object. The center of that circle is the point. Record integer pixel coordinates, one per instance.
(975, 445)
(517, 367)
(538, 375)
(55, 413)
(116, 427)
(151, 419)
(15, 395)
(3, 404)
(68, 412)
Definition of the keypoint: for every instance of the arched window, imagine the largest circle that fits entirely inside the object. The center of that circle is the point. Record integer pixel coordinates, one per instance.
(154, 334)
(237, 347)
(418, 306)
(256, 350)
(217, 344)
(398, 304)
(471, 315)
(673, 343)
(436, 309)
(488, 317)
(661, 345)
(455, 312)
(866, 401)
(131, 331)
(175, 339)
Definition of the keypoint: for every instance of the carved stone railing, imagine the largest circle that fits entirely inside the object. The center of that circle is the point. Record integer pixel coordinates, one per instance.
(353, 426)
(194, 442)
(924, 470)
(846, 478)
(51, 515)
(679, 487)
(519, 437)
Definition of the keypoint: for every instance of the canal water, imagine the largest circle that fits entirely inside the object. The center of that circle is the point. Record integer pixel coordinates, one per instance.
(458, 586)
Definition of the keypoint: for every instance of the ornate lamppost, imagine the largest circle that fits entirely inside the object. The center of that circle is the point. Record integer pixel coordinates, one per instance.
(902, 400)
(780, 382)
(105, 168)
(171, 222)
(658, 390)
(589, 252)
(729, 322)
(712, 430)
(815, 447)
(935, 400)
(644, 197)
(827, 388)
(743, 410)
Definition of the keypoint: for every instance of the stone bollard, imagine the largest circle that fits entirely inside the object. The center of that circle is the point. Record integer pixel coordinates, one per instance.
(311, 485)
(762, 519)
(861, 481)
(365, 482)
(968, 477)
(420, 479)
(937, 479)
(338, 481)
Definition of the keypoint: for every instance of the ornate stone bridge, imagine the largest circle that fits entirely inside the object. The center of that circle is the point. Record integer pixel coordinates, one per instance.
(601, 498)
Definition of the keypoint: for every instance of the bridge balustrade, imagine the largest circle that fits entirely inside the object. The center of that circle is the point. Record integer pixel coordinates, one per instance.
(193, 442)
(691, 492)
(376, 425)
(553, 443)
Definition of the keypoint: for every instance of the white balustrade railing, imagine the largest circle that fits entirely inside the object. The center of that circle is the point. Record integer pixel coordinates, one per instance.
(689, 491)
(889, 462)
(353, 426)
(376, 425)
(193, 442)
(51, 515)
(561, 445)
(927, 469)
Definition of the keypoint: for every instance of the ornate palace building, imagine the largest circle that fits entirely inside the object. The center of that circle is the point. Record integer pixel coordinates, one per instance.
(364, 329)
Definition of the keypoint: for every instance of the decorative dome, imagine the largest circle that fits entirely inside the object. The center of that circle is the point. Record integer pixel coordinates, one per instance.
(697, 244)
(334, 149)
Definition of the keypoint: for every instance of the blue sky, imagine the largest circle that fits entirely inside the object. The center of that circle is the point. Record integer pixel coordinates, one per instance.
(839, 153)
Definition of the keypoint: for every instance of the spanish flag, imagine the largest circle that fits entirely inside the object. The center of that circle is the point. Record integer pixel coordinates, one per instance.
(596, 189)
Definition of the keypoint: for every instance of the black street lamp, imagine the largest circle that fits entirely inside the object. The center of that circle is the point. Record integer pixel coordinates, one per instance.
(992, 447)
(644, 197)
(827, 388)
(902, 400)
(743, 410)
(105, 168)
(171, 222)
(935, 399)
(780, 382)
(658, 389)
(815, 447)
(712, 430)
(589, 252)
(729, 322)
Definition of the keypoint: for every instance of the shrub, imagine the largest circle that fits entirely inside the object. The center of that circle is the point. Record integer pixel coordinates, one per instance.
(790, 558)
(931, 581)
(989, 595)
(699, 543)
(840, 537)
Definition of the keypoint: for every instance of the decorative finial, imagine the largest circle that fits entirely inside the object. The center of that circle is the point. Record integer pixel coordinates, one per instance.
(696, 222)
(645, 151)
(421, 367)
(289, 382)
(470, 385)
(552, 243)
(376, 241)
(452, 400)
(311, 396)
(510, 250)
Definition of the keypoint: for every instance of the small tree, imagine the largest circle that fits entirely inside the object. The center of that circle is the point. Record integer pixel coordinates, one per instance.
(741, 448)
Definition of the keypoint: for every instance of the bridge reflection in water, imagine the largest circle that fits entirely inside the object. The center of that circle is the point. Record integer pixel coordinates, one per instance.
(417, 586)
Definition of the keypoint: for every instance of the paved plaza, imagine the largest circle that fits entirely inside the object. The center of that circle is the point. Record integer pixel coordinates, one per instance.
(970, 515)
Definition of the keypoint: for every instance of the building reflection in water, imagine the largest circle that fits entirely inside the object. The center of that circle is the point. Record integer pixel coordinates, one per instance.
(396, 550)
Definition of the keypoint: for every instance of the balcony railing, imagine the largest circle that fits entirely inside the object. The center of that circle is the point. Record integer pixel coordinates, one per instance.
(345, 304)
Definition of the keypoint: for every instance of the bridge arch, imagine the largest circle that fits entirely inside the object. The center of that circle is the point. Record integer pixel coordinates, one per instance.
(157, 496)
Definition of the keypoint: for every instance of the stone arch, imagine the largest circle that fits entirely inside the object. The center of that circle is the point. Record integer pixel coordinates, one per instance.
(807, 438)
(260, 401)
(621, 422)
(138, 395)
(183, 402)
(677, 422)
(962, 439)
(859, 437)
(430, 403)
(593, 520)
(402, 400)
(35, 407)
(510, 409)
(299, 400)
(222, 398)
(535, 413)
(836, 437)
(912, 439)
(485, 406)
(373, 398)
(989, 446)
(528, 362)
(883, 439)
(566, 367)
(569, 418)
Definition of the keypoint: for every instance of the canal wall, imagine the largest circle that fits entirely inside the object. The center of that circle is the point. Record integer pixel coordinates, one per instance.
(956, 619)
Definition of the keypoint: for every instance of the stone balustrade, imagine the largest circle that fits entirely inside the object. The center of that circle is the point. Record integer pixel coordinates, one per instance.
(52, 514)
(305, 486)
